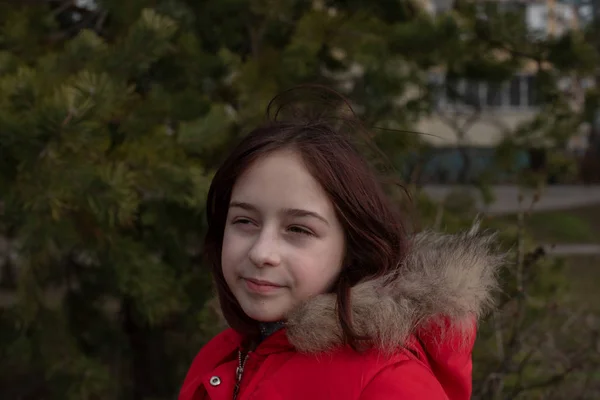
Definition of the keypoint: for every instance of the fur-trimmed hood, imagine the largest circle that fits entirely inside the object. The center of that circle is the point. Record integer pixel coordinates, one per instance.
(448, 278)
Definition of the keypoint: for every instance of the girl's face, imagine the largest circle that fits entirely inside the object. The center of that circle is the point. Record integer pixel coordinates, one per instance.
(283, 242)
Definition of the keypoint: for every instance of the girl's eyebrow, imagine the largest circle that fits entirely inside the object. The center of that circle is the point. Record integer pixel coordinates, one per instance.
(294, 212)
(297, 212)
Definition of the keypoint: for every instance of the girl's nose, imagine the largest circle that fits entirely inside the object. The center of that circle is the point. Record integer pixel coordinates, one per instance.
(264, 251)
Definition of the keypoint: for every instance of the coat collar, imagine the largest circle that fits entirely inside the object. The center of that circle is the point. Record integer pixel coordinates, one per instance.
(445, 280)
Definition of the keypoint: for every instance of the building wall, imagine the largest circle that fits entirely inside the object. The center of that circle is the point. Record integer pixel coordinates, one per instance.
(489, 129)
(502, 108)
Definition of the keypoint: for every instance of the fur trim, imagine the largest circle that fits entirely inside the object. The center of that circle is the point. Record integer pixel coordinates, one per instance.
(447, 278)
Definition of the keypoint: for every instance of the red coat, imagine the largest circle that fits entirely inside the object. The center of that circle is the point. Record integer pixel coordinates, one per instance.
(415, 354)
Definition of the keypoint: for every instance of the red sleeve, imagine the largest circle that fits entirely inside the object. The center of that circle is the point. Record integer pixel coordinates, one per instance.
(406, 380)
(450, 359)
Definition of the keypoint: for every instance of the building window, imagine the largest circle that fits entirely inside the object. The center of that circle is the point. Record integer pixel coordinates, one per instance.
(533, 97)
(494, 95)
(472, 93)
(515, 92)
(453, 91)
(518, 93)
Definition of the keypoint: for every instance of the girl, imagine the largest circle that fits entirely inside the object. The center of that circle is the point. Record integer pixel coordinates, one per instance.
(326, 296)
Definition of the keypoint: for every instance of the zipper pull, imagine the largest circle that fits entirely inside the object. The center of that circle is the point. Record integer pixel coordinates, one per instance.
(239, 371)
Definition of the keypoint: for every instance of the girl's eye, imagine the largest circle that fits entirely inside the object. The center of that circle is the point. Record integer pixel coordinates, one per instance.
(242, 221)
(300, 230)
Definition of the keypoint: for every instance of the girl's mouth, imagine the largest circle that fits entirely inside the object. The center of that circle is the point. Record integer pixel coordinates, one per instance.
(259, 286)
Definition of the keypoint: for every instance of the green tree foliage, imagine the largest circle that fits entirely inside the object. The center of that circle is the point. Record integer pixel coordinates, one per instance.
(102, 200)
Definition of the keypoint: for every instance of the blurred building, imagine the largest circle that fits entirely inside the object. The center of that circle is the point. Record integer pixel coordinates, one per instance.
(551, 16)
(491, 111)
(503, 106)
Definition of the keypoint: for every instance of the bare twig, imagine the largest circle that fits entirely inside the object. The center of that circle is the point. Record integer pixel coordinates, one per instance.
(439, 216)
(520, 244)
(63, 7)
(499, 337)
(100, 22)
(553, 380)
(256, 36)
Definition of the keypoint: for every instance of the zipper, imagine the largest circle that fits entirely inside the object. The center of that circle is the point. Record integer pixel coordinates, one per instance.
(239, 372)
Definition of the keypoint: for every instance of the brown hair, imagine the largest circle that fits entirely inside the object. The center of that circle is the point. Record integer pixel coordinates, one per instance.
(375, 235)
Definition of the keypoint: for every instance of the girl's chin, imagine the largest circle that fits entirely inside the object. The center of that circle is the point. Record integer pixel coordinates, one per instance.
(264, 316)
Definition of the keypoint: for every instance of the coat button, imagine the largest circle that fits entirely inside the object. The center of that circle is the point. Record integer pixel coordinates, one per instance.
(215, 381)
